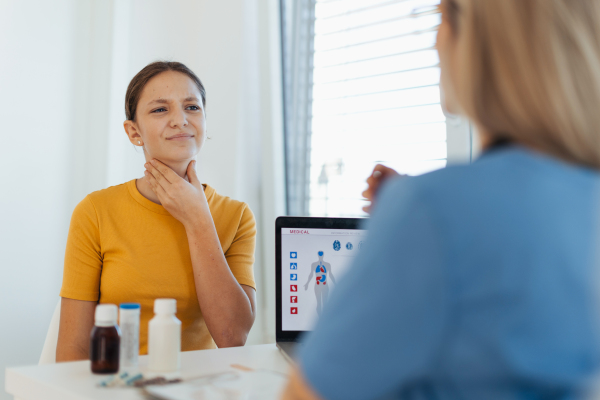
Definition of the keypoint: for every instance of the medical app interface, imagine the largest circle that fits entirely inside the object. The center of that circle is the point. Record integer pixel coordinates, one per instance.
(313, 261)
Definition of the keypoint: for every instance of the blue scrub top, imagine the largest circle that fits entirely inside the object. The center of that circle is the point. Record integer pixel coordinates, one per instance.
(476, 282)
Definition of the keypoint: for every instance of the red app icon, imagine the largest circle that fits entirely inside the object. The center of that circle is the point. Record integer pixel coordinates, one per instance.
(293, 299)
(294, 310)
(293, 288)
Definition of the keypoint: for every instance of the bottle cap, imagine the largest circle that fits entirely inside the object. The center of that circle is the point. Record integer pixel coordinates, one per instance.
(106, 314)
(129, 306)
(129, 312)
(165, 306)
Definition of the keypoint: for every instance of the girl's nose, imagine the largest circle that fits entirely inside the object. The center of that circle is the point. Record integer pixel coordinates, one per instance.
(179, 119)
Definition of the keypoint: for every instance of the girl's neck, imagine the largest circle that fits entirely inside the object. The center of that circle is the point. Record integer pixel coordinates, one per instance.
(179, 168)
(143, 186)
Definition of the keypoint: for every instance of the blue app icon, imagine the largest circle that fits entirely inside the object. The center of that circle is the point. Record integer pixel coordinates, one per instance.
(349, 246)
(336, 245)
(293, 254)
(293, 277)
(293, 265)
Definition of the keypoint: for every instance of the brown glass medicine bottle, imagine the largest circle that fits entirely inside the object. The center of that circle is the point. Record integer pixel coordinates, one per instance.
(105, 340)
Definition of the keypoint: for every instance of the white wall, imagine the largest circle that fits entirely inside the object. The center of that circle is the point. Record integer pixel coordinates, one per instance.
(36, 99)
(66, 65)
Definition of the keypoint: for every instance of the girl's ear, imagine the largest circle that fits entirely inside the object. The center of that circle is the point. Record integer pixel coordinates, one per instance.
(133, 133)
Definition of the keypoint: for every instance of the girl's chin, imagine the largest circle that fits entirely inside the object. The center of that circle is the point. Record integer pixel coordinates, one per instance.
(174, 158)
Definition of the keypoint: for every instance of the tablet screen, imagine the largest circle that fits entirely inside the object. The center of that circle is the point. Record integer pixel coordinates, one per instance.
(313, 262)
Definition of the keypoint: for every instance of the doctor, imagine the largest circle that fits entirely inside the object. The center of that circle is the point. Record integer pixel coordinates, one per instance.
(480, 281)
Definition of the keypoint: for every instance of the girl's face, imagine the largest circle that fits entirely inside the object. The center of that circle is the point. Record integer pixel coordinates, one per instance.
(170, 121)
(446, 45)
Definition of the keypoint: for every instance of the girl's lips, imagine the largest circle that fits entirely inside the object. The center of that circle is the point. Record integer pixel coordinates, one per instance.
(180, 137)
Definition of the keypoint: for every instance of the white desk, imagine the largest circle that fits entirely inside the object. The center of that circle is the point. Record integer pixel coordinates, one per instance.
(74, 381)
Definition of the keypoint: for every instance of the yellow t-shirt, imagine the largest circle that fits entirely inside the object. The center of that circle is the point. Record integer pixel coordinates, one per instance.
(124, 248)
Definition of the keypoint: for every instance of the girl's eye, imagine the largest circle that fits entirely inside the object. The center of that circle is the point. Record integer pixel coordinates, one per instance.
(159, 110)
(195, 108)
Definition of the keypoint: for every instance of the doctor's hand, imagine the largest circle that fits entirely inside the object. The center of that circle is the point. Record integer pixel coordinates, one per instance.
(379, 175)
(184, 200)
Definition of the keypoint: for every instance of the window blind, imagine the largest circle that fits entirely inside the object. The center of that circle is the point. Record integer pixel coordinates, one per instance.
(375, 98)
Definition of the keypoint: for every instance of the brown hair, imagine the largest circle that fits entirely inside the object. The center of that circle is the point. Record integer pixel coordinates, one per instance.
(139, 81)
(529, 70)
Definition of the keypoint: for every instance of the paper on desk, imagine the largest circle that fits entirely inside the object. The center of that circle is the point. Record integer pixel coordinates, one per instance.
(231, 385)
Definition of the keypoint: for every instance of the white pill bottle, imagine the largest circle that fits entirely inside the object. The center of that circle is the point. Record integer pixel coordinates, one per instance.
(129, 322)
(164, 337)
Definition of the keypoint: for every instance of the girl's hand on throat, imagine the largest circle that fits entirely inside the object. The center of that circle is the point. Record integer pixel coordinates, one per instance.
(183, 198)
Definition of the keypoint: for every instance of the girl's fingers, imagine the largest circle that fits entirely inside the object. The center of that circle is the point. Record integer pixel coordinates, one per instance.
(161, 193)
(150, 179)
(167, 173)
(160, 178)
(156, 188)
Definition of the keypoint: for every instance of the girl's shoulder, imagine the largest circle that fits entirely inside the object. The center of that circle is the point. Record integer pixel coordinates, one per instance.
(110, 194)
(103, 200)
(100, 202)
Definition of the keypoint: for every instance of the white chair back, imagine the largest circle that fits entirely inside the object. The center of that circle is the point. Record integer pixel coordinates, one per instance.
(48, 355)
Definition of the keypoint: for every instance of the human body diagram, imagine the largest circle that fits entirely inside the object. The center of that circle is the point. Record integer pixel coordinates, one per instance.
(323, 273)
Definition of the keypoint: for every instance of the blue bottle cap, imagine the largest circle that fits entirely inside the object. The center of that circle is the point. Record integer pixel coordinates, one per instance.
(129, 306)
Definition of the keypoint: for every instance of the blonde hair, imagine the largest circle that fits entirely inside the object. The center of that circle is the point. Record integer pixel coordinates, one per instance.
(529, 71)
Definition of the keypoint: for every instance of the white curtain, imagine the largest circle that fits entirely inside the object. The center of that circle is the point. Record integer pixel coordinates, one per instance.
(298, 23)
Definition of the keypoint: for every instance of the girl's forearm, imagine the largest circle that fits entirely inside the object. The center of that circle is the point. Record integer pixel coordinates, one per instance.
(225, 306)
